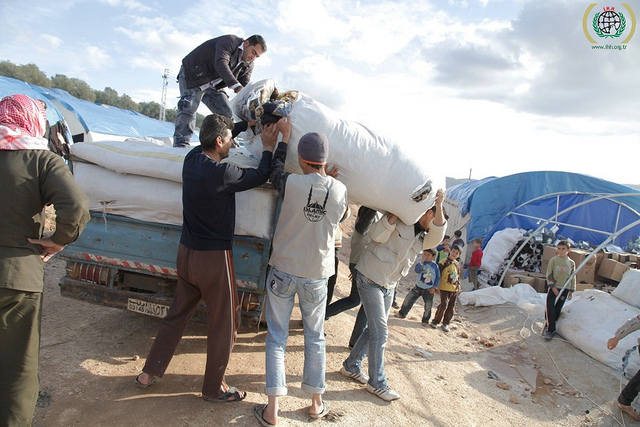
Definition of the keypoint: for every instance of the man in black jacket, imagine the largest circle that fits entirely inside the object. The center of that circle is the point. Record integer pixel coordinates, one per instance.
(219, 63)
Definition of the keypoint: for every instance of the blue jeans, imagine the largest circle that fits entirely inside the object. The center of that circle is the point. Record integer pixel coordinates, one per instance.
(216, 101)
(412, 297)
(312, 293)
(376, 302)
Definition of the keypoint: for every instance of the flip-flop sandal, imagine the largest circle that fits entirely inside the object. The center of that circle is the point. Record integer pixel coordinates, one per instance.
(327, 414)
(151, 382)
(231, 395)
(258, 411)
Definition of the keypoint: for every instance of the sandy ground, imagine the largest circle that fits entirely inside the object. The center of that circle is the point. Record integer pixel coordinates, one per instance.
(488, 371)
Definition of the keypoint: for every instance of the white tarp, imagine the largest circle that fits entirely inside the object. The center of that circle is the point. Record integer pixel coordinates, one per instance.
(141, 180)
(377, 172)
(134, 157)
(592, 319)
(588, 320)
(628, 290)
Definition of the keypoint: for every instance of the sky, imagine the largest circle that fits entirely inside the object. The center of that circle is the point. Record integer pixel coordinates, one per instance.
(476, 88)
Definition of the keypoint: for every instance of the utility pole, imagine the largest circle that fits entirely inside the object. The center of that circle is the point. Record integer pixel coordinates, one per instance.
(163, 100)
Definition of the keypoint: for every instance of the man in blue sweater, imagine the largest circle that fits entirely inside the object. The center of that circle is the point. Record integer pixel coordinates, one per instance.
(205, 262)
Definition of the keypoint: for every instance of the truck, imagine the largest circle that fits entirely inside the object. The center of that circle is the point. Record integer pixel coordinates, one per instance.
(130, 264)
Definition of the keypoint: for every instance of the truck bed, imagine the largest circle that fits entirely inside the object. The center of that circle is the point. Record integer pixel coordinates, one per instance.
(130, 264)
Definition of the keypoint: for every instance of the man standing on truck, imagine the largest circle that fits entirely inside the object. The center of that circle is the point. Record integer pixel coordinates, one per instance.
(301, 262)
(32, 177)
(205, 264)
(217, 64)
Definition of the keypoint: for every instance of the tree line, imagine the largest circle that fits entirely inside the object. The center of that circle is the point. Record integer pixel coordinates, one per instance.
(30, 73)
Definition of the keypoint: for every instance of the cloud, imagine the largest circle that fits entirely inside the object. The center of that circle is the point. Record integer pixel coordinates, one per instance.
(541, 63)
(128, 5)
(50, 41)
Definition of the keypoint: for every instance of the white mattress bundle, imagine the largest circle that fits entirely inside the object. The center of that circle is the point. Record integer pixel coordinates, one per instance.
(141, 180)
(378, 172)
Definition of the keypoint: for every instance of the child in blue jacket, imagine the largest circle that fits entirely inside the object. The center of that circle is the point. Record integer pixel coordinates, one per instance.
(426, 286)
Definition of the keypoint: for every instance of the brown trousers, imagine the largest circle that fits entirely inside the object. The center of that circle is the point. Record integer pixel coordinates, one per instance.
(444, 312)
(206, 275)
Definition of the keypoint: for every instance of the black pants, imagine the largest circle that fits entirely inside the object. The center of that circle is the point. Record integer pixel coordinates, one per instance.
(348, 302)
(554, 308)
(331, 283)
(630, 392)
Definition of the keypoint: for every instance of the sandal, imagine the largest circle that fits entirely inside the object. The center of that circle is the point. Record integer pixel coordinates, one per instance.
(231, 395)
(151, 382)
(326, 414)
(258, 411)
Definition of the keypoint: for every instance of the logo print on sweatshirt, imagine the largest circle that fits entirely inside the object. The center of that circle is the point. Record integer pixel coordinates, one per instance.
(314, 212)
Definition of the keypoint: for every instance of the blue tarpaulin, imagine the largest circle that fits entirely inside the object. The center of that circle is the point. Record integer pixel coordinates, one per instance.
(93, 117)
(490, 205)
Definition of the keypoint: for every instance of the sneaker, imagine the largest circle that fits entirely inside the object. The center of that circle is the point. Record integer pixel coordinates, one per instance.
(434, 325)
(549, 335)
(360, 377)
(445, 328)
(395, 305)
(386, 393)
(629, 410)
(425, 324)
(400, 315)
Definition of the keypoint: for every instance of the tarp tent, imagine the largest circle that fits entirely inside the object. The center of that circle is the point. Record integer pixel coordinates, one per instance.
(9, 86)
(89, 121)
(579, 216)
(477, 206)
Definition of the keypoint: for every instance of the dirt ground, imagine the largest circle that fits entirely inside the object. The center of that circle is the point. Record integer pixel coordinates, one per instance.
(489, 370)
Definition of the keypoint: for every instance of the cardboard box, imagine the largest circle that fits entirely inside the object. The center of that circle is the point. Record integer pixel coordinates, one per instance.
(623, 258)
(588, 271)
(540, 284)
(526, 279)
(548, 252)
(606, 268)
(583, 286)
(612, 269)
(509, 277)
(618, 271)
(579, 255)
(599, 257)
(513, 277)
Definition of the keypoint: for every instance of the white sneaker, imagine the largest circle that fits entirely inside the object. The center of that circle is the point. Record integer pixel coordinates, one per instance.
(445, 328)
(360, 377)
(386, 393)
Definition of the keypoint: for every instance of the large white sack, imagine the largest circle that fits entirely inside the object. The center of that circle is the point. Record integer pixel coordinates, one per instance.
(628, 290)
(134, 157)
(521, 294)
(377, 172)
(160, 201)
(593, 318)
(498, 248)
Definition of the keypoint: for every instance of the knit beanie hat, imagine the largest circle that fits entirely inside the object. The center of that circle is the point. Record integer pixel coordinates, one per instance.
(313, 148)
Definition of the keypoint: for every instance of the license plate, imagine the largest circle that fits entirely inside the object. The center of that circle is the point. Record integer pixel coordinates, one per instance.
(146, 307)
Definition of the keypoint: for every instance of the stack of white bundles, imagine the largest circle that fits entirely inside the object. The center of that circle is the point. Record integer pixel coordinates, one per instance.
(143, 181)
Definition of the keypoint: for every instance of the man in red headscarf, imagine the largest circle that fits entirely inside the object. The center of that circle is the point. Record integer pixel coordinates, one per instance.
(32, 177)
